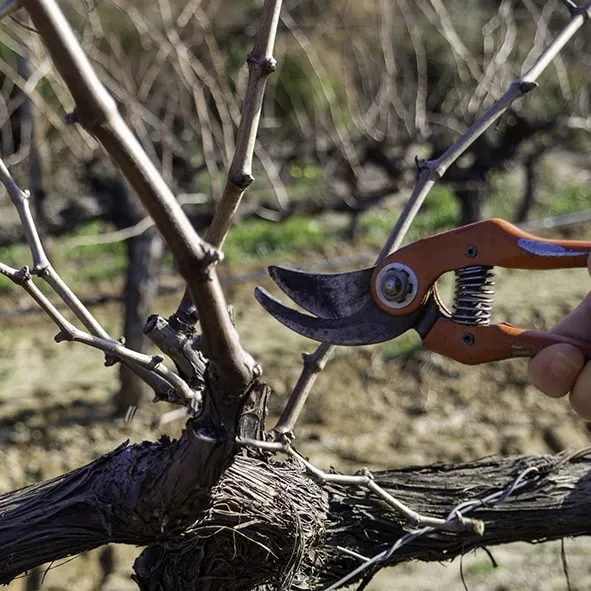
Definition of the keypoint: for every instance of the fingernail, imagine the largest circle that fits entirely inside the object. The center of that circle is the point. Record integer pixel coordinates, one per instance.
(563, 367)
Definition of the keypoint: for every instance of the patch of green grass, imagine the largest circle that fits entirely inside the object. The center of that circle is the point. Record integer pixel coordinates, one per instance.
(97, 268)
(260, 238)
(440, 212)
(6, 285)
(78, 266)
(403, 345)
(90, 263)
(16, 255)
(563, 199)
(568, 199)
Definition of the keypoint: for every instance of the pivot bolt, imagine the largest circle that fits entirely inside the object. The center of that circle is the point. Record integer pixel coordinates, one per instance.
(396, 285)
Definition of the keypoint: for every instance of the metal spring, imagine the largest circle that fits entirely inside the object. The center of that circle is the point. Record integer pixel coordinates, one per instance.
(474, 293)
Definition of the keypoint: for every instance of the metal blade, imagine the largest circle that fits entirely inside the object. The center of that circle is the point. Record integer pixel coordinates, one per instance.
(366, 326)
(329, 295)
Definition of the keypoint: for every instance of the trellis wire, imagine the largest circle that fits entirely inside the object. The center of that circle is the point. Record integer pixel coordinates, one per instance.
(522, 480)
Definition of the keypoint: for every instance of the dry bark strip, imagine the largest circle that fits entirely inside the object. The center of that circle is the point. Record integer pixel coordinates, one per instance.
(267, 523)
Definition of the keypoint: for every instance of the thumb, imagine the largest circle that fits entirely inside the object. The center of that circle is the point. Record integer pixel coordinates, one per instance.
(554, 370)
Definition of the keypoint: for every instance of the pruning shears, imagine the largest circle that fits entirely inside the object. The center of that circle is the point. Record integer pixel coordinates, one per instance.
(384, 301)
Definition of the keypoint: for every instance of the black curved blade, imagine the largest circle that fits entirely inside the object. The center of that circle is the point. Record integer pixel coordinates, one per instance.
(329, 295)
(366, 326)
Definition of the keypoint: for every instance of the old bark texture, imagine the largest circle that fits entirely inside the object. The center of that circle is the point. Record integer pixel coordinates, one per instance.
(137, 494)
(267, 523)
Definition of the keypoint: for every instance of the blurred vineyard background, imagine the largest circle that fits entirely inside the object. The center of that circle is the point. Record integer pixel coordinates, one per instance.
(362, 90)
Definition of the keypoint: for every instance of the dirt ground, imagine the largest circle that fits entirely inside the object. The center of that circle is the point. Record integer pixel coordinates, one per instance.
(386, 406)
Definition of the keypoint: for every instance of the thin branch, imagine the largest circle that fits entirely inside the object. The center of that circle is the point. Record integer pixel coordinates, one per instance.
(430, 172)
(43, 268)
(180, 346)
(68, 332)
(583, 123)
(260, 64)
(557, 221)
(446, 29)
(131, 231)
(541, 18)
(314, 363)
(415, 35)
(328, 93)
(97, 112)
(497, 64)
(272, 171)
(187, 71)
(573, 8)
(20, 200)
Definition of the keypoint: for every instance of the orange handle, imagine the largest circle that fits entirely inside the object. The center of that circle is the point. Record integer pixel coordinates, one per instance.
(480, 344)
(494, 243)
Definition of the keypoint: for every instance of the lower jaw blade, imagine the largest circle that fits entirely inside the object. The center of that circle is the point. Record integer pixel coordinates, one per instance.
(350, 330)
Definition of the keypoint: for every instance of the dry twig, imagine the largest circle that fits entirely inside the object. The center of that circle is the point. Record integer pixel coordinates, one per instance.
(261, 63)
(42, 267)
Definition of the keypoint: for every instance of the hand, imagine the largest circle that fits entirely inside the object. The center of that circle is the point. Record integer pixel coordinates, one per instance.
(560, 369)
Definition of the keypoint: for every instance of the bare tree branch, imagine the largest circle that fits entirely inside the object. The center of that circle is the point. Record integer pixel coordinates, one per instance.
(97, 112)
(43, 268)
(68, 332)
(260, 64)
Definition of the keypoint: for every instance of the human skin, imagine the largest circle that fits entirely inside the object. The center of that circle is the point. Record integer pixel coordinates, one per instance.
(562, 369)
